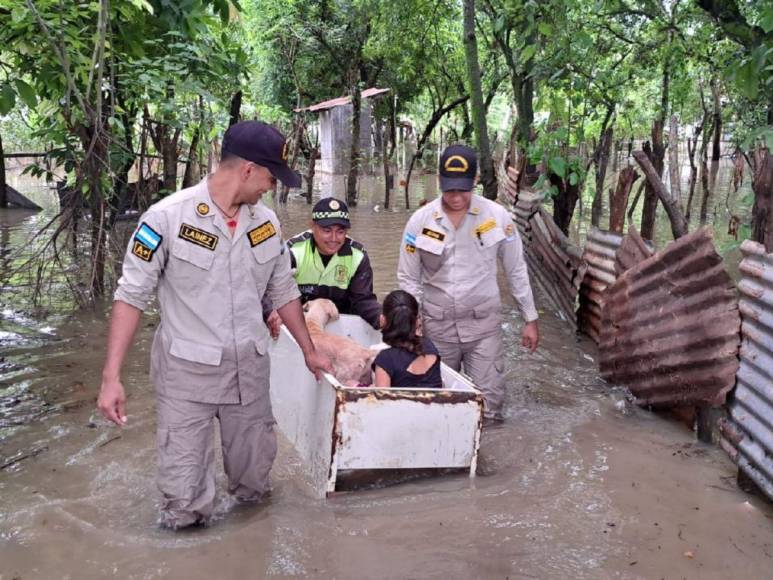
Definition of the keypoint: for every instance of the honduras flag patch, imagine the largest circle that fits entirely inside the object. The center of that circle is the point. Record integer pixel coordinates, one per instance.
(146, 242)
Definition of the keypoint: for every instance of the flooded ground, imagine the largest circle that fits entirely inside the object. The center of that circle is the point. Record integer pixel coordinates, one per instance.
(575, 484)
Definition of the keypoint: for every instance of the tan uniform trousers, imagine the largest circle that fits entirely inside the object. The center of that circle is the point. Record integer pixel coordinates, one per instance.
(186, 455)
(483, 360)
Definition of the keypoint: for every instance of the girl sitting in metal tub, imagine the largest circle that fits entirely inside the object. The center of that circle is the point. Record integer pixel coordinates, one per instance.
(411, 360)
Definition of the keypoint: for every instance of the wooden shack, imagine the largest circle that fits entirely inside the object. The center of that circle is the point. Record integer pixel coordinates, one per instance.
(335, 131)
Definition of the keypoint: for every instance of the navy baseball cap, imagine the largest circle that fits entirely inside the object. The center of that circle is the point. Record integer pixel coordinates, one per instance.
(330, 211)
(262, 144)
(458, 167)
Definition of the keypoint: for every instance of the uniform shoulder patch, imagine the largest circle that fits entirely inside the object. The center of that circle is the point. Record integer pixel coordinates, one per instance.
(146, 242)
(198, 237)
(261, 233)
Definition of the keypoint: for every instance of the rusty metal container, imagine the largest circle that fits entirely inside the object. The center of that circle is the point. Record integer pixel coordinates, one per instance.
(670, 327)
(334, 427)
(748, 436)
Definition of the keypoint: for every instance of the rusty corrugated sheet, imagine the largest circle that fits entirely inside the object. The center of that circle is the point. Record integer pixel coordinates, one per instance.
(748, 436)
(600, 253)
(633, 249)
(554, 262)
(670, 326)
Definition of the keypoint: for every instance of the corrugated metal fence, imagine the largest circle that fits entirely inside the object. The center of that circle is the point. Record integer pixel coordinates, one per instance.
(667, 323)
(554, 262)
(669, 328)
(600, 254)
(748, 436)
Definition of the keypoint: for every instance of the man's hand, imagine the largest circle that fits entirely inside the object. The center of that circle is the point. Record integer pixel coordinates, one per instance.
(317, 362)
(112, 401)
(274, 323)
(530, 335)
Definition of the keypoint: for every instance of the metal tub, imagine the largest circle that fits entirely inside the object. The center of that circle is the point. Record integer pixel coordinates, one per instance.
(334, 427)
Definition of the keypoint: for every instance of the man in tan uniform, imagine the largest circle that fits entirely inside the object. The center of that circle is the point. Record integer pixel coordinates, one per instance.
(448, 260)
(213, 251)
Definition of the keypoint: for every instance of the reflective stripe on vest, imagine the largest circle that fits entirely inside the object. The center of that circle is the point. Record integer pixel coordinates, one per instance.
(311, 271)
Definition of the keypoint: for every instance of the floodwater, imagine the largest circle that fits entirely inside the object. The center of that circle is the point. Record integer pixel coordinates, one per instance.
(576, 483)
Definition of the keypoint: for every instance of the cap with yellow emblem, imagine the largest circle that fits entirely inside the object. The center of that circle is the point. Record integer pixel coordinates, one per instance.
(262, 144)
(458, 167)
(330, 211)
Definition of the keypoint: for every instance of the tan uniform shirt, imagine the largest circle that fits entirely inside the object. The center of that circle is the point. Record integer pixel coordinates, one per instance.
(453, 272)
(210, 344)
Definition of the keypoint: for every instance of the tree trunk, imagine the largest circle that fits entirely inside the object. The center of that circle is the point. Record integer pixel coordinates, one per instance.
(616, 156)
(313, 151)
(692, 147)
(485, 162)
(297, 135)
(716, 151)
(3, 194)
(192, 174)
(635, 201)
(235, 109)
(565, 202)
(656, 155)
(123, 198)
(762, 185)
(672, 205)
(619, 199)
(93, 173)
(673, 158)
(705, 184)
(601, 160)
(354, 158)
(169, 153)
(385, 159)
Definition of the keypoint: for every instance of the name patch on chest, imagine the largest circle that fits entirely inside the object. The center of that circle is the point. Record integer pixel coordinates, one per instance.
(198, 237)
(486, 226)
(433, 234)
(261, 233)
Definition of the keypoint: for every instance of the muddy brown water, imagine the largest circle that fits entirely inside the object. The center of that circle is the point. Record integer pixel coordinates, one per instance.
(576, 483)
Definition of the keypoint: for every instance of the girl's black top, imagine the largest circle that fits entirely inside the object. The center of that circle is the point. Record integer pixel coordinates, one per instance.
(396, 360)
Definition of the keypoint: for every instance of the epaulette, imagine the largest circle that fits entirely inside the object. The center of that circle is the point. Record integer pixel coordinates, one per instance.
(357, 245)
(299, 238)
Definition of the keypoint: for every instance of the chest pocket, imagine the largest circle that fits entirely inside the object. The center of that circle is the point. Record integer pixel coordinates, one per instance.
(492, 237)
(266, 251)
(192, 254)
(431, 251)
(263, 261)
(190, 265)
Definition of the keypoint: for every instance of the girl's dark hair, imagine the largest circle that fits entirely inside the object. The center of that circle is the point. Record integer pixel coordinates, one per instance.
(401, 311)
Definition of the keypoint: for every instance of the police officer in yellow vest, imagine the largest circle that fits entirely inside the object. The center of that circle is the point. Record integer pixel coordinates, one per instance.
(329, 264)
(212, 251)
(448, 259)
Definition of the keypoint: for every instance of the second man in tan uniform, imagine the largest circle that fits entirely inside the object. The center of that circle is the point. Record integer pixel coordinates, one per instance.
(448, 260)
